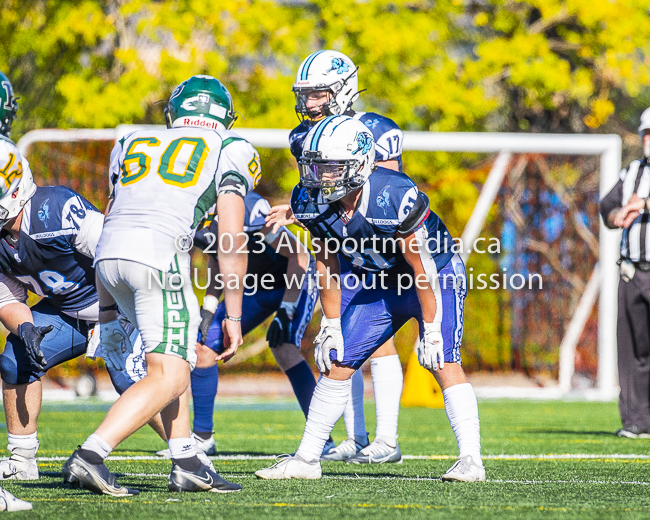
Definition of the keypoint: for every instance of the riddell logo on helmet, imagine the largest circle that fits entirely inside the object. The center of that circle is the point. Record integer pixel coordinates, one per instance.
(201, 121)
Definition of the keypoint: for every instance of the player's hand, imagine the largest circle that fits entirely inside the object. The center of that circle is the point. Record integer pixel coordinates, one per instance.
(329, 338)
(204, 327)
(32, 336)
(430, 349)
(280, 329)
(232, 339)
(280, 216)
(115, 343)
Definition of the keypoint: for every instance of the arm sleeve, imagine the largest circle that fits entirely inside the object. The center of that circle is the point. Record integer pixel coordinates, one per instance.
(612, 200)
(11, 291)
(239, 166)
(89, 232)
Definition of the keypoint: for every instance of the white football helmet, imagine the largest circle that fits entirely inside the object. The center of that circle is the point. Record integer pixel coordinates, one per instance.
(338, 156)
(329, 71)
(19, 182)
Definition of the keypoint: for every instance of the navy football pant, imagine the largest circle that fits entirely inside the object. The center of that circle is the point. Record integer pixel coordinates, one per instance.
(66, 341)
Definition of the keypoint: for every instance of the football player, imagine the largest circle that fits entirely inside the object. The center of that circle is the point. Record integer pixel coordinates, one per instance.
(164, 181)
(382, 224)
(327, 84)
(47, 244)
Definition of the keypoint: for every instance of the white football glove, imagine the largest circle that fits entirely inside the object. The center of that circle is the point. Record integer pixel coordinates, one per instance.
(115, 344)
(329, 338)
(430, 349)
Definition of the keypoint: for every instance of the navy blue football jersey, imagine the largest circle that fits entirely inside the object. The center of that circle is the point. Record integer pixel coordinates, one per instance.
(390, 206)
(44, 259)
(387, 135)
(262, 258)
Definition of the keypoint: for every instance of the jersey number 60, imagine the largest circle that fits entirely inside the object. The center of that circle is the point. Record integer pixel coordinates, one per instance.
(186, 179)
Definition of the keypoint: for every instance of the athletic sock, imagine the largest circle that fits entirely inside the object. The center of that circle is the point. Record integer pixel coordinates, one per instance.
(387, 382)
(27, 445)
(355, 422)
(204, 391)
(462, 411)
(182, 448)
(95, 449)
(327, 405)
(204, 436)
(303, 384)
(192, 464)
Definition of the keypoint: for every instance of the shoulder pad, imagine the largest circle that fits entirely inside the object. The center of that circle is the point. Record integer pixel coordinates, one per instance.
(416, 214)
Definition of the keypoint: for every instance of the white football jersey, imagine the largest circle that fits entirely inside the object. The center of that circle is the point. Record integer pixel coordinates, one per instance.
(12, 163)
(164, 182)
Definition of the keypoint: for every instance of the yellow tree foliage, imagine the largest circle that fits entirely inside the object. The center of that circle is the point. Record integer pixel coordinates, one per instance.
(443, 65)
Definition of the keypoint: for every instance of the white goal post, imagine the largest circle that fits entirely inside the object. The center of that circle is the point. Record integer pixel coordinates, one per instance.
(602, 283)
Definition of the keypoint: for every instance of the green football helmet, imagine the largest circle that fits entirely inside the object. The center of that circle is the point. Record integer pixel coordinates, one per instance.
(8, 105)
(200, 101)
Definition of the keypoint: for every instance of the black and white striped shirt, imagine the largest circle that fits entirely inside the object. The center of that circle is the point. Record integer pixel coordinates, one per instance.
(635, 243)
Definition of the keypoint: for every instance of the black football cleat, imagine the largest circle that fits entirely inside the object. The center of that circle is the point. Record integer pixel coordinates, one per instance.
(204, 479)
(94, 477)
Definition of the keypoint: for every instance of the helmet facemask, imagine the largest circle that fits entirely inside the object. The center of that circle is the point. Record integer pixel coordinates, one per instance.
(327, 108)
(334, 178)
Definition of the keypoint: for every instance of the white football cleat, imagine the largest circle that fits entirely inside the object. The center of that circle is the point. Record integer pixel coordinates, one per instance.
(207, 446)
(347, 449)
(377, 452)
(20, 466)
(465, 470)
(8, 502)
(288, 466)
(205, 460)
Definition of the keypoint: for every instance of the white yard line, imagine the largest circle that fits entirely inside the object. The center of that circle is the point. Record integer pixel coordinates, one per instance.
(558, 456)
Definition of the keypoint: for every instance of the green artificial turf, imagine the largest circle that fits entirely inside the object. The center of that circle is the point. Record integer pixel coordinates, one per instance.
(543, 460)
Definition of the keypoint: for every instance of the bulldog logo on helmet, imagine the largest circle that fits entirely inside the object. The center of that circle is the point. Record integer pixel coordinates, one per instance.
(364, 143)
(339, 66)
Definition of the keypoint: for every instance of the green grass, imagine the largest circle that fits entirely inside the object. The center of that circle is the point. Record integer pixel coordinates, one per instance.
(537, 487)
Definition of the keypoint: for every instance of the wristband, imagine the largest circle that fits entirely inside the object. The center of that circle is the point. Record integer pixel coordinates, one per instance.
(232, 319)
(210, 303)
(108, 308)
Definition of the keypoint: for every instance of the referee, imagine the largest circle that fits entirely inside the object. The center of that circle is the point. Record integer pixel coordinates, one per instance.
(627, 207)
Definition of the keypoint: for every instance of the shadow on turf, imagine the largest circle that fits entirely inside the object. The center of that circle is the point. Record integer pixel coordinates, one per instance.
(140, 486)
(607, 433)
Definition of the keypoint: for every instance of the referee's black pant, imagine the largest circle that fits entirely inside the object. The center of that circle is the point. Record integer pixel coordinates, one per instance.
(633, 334)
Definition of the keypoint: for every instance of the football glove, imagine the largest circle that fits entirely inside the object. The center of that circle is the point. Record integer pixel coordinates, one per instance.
(115, 344)
(329, 338)
(32, 336)
(279, 330)
(430, 349)
(204, 327)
